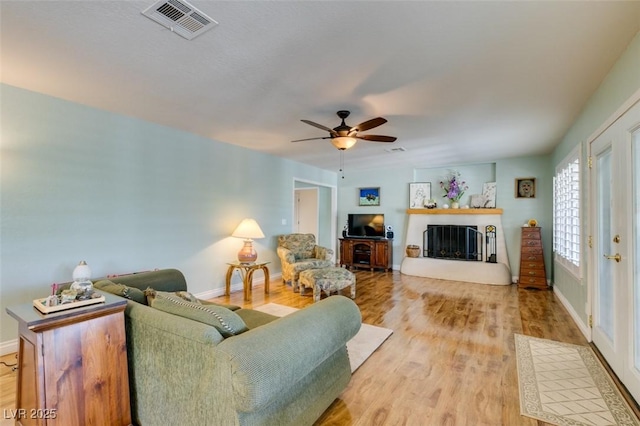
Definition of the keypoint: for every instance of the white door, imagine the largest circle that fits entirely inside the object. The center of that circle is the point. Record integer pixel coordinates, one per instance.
(615, 232)
(306, 211)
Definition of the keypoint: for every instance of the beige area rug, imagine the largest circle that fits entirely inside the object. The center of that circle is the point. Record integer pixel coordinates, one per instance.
(566, 384)
(360, 347)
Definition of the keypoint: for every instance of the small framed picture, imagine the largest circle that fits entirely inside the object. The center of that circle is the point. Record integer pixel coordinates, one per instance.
(489, 195)
(526, 187)
(477, 201)
(419, 194)
(369, 196)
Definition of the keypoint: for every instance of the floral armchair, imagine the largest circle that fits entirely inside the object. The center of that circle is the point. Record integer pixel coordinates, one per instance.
(299, 252)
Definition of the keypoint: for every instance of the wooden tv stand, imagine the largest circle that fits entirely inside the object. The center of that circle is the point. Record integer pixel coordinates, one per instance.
(369, 253)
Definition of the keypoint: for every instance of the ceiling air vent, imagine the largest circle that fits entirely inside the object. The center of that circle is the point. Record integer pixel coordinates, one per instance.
(180, 17)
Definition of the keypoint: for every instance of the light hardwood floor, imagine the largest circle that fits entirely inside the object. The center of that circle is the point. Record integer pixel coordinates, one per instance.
(450, 360)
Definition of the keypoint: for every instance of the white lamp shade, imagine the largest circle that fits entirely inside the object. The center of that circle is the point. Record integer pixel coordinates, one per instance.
(248, 229)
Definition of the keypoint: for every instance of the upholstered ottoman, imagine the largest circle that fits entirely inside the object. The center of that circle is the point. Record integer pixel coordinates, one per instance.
(328, 280)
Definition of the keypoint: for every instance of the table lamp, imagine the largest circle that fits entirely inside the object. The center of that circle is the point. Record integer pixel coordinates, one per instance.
(249, 230)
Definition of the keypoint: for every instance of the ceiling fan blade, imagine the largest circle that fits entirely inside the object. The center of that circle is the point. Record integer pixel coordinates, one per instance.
(369, 124)
(320, 126)
(311, 139)
(377, 138)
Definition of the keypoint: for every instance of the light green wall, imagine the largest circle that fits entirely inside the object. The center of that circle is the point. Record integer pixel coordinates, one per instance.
(126, 195)
(394, 197)
(517, 211)
(325, 237)
(619, 85)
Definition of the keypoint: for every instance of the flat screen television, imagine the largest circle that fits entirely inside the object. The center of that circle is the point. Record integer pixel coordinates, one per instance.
(365, 225)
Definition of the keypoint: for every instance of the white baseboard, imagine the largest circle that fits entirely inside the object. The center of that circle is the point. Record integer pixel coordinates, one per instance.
(217, 292)
(584, 328)
(8, 347)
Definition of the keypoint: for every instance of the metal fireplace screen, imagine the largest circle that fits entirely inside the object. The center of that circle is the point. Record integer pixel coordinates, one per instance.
(459, 242)
(454, 242)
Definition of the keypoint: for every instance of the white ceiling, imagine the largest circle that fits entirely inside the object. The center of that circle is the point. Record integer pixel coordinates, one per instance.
(459, 82)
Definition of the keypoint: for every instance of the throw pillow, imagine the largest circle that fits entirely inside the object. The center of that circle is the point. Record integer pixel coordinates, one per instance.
(187, 296)
(227, 322)
(150, 293)
(130, 293)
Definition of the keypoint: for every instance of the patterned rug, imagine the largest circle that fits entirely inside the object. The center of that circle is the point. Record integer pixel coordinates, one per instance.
(360, 347)
(566, 384)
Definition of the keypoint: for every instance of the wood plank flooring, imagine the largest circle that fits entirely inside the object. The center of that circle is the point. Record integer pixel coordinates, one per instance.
(450, 360)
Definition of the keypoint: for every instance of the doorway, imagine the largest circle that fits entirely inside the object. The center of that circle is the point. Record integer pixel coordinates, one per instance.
(325, 215)
(614, 272)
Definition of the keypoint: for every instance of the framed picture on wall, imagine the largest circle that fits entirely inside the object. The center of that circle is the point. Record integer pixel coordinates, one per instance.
(419, 194)
(489, 195)
(526, 187)
(369, 196)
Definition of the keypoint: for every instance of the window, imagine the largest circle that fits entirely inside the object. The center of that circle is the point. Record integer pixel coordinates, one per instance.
(566, 213)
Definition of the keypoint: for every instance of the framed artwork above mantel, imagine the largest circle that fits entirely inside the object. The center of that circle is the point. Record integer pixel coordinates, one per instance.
(419, 194)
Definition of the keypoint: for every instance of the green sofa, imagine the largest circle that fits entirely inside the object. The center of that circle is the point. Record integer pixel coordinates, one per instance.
(282, 371)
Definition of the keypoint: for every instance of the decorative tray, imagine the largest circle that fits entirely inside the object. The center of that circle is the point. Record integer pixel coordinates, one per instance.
(39, 304)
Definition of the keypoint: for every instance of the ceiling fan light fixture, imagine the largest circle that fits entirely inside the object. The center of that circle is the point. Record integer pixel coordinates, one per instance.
(343, 142)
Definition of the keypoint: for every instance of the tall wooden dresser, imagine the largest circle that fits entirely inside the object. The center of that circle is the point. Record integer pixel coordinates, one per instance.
(532, 271)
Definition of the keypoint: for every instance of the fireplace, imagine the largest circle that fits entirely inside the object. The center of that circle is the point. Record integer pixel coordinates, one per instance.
(486, 243)
(453, 242)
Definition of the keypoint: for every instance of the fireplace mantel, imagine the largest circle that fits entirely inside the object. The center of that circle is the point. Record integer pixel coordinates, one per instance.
(454, 211)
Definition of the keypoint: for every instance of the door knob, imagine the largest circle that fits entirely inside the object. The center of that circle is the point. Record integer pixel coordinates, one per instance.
(615, 257)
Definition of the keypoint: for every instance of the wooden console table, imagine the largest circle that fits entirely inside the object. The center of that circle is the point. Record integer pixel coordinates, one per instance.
(367, 253)
(72, 365)
(247, 270)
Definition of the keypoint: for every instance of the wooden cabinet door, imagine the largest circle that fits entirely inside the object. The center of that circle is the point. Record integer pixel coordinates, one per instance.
(73, 366)
(346, 252)
(381, 259)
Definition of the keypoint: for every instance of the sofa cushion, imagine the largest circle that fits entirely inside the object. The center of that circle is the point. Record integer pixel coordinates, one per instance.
(130, 293)
(255, 319)
(224, 305)
(227, 322)
(163, 280)
(188, 297)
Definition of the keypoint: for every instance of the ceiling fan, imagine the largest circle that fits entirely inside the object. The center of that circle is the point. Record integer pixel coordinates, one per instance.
(344, 136)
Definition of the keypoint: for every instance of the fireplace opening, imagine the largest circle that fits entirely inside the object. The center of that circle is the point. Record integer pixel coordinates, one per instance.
(453, 242)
